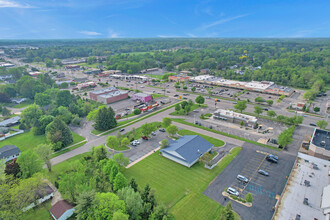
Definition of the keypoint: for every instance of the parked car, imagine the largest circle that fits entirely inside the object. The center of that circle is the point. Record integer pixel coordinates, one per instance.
(262, 172)
(162, 130)
(312, 124)
(272, 158)
(135, 142)
(242, 178)
(232, 191)
(195, 110)
(176, 95)
(265, 109)
(168, 91)
(153, 133)
(144, 137)
(234, 102)
(121, 130)
(185, 98)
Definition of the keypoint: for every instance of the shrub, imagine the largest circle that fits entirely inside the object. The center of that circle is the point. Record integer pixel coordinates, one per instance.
(137, 111)
(249, 197)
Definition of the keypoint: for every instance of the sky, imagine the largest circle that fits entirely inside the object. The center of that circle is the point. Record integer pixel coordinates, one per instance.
(71, 19)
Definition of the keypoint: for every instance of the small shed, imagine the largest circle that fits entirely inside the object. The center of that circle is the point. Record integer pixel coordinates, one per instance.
(187, 149)
(62, 210)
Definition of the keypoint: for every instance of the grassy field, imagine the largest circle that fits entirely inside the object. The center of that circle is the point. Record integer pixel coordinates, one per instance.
(68, 149)
(193, 107)
(155, 96)
(214, 141)
(28, 141)
(178, 187)
(40, 212)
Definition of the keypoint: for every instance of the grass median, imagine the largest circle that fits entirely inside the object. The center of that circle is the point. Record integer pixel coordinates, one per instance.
(215, 142)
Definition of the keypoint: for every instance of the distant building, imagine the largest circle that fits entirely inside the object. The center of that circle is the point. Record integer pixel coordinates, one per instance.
(7, 65)
(73, 67)
(92, 71)
(205, 71)
(186, 150)
(187, 72)
(9, 152)
(94, 94)
(86, 85)
(6, 77)
(73, 61)
(35, 73)
(10, 122)
(149, 70)
(178, 78)
(62, 210)
(142, 97)
(18, 100)
(298, 105)
(320, 144)
(113, 96)
(80, 80)
(234, 117)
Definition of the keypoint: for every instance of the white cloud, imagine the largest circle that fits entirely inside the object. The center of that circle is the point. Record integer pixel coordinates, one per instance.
(90, 33)
(12, 4)
(169, 36)
(191, 35)
(113, 34)
(222, 21)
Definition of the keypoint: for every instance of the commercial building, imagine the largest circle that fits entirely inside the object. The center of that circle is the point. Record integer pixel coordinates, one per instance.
(9, 152)
(256, 86)
(130, 77)
(94, 94)
(298, 105)
(186, 150)
(142, 97)
(234, 117)
(112, 96)
(86, 85)
(178, 78)
(73, 61)
(73, 67)
(320, 144)
(35, 73)
(92, 71)
(7, 65)
(149, 70)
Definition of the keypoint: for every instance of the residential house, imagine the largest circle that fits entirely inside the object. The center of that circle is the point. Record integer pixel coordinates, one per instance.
(62, 210)
(42, 194)
(9, 152)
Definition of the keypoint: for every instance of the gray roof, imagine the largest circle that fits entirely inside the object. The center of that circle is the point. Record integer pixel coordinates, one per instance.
(321, 138)
(10, 121)
(188, 148)
(9, 150)
(142, 94)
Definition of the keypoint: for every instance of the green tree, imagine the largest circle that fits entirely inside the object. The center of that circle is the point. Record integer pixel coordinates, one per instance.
(177, 107)
(42, 99)
(120, 159)
(242, 123)
(322, 124)
(164, 143)
(119, 215)
(105, 119)
(106, 204)
(99, 153)
(147, 128)
(259, 99)
(5, 111)
(58, 131)
(64, 114)
(31, 115)
(45, 151)
(112, 142)
(134, 185)
(270, 102)
(200, 100)
(228, 212)
(119, 182)
(317, 109)
(114, 172)
(137, 111)
(257, 110)
(169, 66)
(2, 170)
(84, 208)
(185, 87)
(29, 163)
(193, 89)
(241, 106)
(63, 98)
(124, 141)
(249, 197)
(172, 130)
(271, 113)
(166, 122)
(132, 200)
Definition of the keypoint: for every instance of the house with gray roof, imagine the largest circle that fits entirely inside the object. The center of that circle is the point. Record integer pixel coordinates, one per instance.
(10, 121)
(186, 150)
(9, 152)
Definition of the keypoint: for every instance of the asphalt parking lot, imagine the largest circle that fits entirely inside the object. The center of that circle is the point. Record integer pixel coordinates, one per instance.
(145, 146)
(264, 189)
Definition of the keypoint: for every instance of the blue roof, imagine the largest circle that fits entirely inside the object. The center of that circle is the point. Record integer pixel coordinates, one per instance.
(188, 148)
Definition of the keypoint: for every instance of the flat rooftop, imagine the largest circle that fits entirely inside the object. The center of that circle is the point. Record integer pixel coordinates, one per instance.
(294, 194)
(99, 91)
(142, 94)
(232, 114)
(203, 77)
(321, 138)
(112, 94)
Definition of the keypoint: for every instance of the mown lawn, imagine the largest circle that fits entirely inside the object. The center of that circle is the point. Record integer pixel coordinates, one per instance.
(28, 141)
(214, 141)
(40, 212)
(155, 96)
(178, 187)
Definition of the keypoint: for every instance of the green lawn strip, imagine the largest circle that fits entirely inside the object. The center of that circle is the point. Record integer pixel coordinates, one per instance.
(156, 87)
(68, 149)
(178, 187)
(155, 76)
(138, 131)
(182, 121)
(193, 107)
(155, 96)
(307, 113)
(23, 104)
(27, 140)
(39, 212)
(127, 116)
(214, 141)
(132, 121)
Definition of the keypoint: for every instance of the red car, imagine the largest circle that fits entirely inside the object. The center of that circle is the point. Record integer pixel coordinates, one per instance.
(144, 137)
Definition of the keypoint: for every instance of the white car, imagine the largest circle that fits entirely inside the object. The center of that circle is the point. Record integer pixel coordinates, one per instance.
(142, 86)
(232, 191)
(135, 142)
